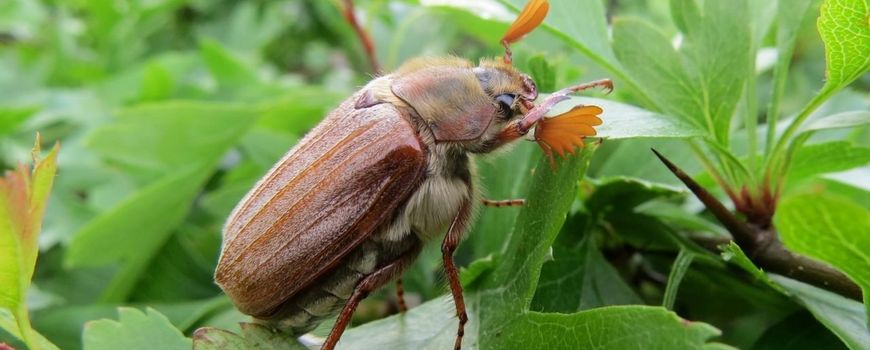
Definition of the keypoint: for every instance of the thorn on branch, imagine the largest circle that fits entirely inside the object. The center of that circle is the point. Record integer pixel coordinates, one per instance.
(763, 246)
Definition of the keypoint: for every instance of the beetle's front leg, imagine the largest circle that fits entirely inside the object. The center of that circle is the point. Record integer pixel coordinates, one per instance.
(368, 284)
(451, 241)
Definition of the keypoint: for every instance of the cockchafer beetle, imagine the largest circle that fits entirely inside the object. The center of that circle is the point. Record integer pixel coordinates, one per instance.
(350, 206)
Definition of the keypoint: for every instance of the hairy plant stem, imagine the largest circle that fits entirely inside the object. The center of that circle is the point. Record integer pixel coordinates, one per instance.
(763, 247)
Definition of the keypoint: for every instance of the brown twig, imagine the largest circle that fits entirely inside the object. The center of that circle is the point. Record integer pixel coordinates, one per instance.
(765, 249)
(363, 35)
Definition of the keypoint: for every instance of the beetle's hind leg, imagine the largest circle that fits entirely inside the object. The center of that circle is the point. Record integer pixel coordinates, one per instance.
(370, 283)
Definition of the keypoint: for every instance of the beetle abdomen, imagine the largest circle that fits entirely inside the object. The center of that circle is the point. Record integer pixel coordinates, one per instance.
(325, 298)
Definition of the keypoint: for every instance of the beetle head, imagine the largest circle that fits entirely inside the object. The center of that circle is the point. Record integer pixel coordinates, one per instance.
(463, 104)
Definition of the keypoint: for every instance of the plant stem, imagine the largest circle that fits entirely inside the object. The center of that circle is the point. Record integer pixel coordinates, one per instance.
(751, 115)
(817, 101)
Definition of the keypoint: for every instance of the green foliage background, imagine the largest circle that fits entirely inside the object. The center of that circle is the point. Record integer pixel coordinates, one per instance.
(168, 111)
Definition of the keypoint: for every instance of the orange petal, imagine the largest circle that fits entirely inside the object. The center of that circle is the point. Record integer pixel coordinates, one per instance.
(531, 17)
(564, 133)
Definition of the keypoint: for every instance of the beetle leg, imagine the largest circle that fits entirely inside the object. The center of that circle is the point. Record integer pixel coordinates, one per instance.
(368, 284)
(504, 203)
(451, 241)
(507, 135)
(400, 295)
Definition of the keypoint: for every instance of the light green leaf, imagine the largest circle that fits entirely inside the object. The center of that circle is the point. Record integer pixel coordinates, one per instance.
(827, 157)
(846, 318)
(845, 31)
(157, 82)
(23, 198)
(431, 326)
(830, 229)
(840, 120)
(134, 330)
(623, 121)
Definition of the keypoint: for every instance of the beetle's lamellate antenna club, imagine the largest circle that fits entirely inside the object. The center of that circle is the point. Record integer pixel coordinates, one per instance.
(529, 19)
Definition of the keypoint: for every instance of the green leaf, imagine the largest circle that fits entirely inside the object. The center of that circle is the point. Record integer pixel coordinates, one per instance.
(690, 83)
(253, 336)
(430, 326)
(162, 137)
(623, 121)
(799, 331)
(509, 289)
(789, 16)
(543, 73)
(845, 31)
(846, 318)
(493, 227)
(23, 198)
(229, 71)
(652, 61)
(11, 118)
(830, 229)
(157, 82)
(134, 231)
(579, 277)
(10, 334)
(622, 194)
(134, 330)
(839, 120)
(613, 327)
(827, 157)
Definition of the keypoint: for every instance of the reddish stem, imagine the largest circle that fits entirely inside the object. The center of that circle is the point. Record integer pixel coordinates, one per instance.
(363, 35)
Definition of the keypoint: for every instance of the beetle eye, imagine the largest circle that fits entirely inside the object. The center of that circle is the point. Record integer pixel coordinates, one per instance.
(505, 104)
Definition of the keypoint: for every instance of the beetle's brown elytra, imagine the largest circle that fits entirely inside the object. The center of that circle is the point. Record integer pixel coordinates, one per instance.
(349, 207)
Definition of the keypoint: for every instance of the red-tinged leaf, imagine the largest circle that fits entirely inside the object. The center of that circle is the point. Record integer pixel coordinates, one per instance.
(23, 195)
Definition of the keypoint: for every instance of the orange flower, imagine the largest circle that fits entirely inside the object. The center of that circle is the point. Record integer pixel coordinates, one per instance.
(565, 132)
